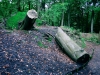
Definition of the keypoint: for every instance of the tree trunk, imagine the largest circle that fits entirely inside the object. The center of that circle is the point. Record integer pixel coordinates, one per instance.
(18, 5)
(62, 21)
(92, 21)
(23, 6)
(29, 5)
(29, 20)
(38, 7)
(43, 5)
(69, 18)
(71, 48)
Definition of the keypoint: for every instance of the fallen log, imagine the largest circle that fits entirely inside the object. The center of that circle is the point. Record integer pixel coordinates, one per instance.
(29, 20)
(73, 50)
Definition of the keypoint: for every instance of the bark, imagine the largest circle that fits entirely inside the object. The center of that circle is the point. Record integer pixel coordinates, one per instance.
(29, 5)
(43, 5)
(62, 21)
(18, 5)
(71, 48)
(69, 18)
(92, 21)
(23, 5)
(38, 7)
(29, 20)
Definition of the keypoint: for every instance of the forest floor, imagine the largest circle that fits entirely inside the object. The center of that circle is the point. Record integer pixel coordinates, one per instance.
(30, 53)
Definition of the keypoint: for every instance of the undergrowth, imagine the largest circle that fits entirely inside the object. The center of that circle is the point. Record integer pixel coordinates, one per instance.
(12, 22)
(92, 39)
(40, 44)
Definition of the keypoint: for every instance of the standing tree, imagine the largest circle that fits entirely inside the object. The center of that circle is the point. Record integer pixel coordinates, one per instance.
(18, 5)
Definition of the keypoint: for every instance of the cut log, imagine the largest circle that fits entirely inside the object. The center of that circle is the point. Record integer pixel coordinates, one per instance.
(73, 50)
(29, 20)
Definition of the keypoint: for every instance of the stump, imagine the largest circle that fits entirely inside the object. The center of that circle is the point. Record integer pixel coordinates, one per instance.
(29, 20)
(73, 50)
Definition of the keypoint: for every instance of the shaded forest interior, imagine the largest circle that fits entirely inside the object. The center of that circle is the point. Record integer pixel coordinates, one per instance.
(78, 14)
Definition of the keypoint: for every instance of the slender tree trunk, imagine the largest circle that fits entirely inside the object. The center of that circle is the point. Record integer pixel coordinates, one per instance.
(62, 21)
(29, 5)
(69, 19)
(69, 6)
(23, 7)
(18, 5)
(92, 21)
(43, 5)
(38, 7)
(87, 24)
(68, 15)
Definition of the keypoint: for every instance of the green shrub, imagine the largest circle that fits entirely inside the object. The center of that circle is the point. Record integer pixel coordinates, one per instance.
(12, 22)
(38, 22)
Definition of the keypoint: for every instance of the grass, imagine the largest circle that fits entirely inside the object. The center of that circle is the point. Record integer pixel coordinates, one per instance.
(12, 22)
(40, 44)
(83, 44)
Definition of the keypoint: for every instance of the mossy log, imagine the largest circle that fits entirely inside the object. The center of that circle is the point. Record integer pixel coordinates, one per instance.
(73, 50)
(29, 20)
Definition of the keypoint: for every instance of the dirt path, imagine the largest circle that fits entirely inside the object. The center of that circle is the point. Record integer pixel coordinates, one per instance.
(23, 53)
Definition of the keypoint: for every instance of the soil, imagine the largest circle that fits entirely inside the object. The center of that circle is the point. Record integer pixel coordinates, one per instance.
(30, 53)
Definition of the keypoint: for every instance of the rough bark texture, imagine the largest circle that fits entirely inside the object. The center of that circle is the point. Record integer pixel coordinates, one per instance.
(29, 20)
(71, 48)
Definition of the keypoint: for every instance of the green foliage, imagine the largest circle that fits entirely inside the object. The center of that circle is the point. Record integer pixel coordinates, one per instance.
(77, 13)
(92, 38)
(38, 22)
(6, 8)
(53, 14)
(40, 44)
(71, 30)
(48, 37)
(83, 44)
(12, 22)
(35, 37)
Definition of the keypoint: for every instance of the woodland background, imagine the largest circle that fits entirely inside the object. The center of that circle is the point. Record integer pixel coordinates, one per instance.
(83, 15)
